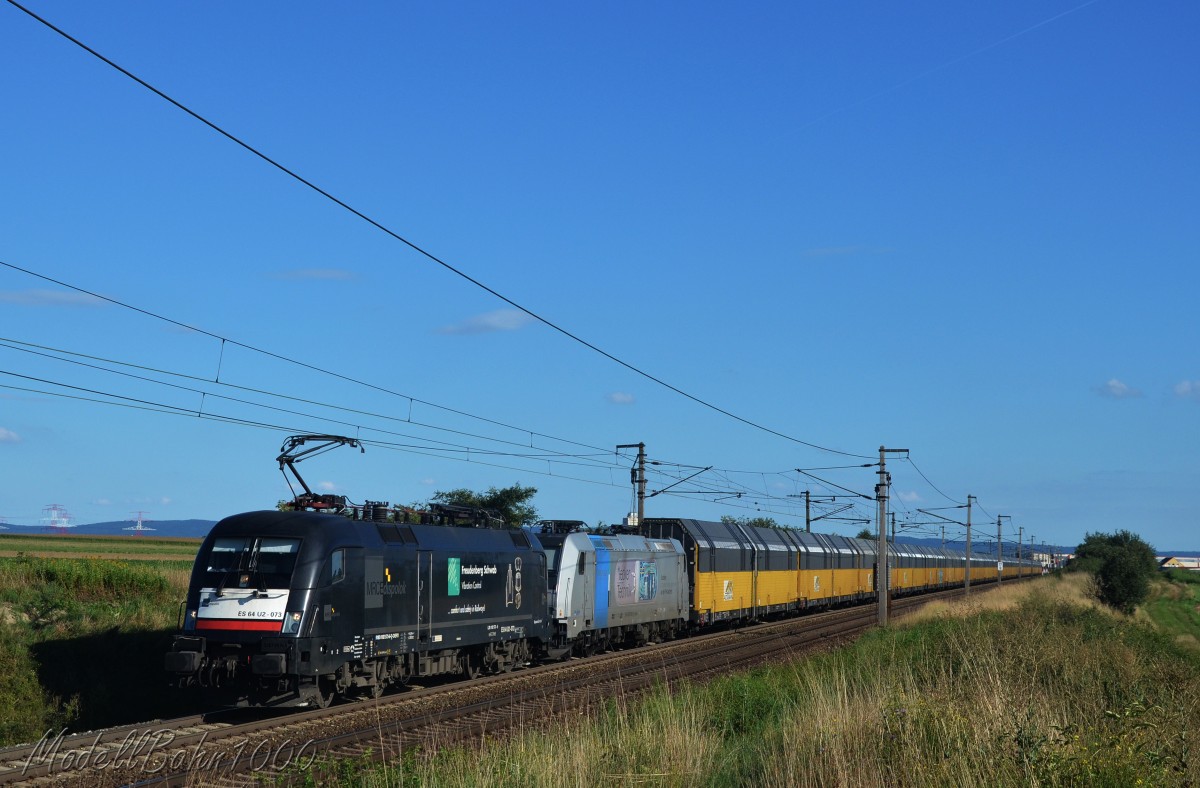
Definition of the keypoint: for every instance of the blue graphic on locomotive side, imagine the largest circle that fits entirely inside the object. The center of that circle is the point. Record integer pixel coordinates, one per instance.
(603, 569)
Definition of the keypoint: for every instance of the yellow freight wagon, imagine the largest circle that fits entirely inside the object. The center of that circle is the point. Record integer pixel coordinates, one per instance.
(739, 571)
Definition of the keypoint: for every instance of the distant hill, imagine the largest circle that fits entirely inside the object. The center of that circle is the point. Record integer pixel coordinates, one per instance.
(988, 546)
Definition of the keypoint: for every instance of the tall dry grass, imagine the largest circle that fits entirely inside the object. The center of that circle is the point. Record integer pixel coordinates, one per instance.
(1033, 685)
(1074, 589)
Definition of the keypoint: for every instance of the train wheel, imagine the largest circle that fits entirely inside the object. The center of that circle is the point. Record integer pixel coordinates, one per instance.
(514, 655)
(472, 663)
(493, 659)
(376, 690)
(408, 669)
(325, 692)
(519, 655)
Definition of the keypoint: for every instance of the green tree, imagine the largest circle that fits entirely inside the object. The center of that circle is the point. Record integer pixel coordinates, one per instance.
(1122, 564)
(1099, 547)
(757, 522)
(512, 502)
(1122, 582)
(866, 534)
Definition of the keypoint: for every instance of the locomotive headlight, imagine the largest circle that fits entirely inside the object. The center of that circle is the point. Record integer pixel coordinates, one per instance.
(189, 620)
(291, 622)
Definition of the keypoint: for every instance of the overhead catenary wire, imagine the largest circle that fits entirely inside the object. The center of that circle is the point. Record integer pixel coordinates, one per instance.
(927, 481)
(560, 458)
(416, 248)
(445, 451)
(751, 499)
(171, 410)
(727, 484)
(445, 447)
(838, 486)
(708, 488)
(286, 359)
(985, 511)
(11, 344)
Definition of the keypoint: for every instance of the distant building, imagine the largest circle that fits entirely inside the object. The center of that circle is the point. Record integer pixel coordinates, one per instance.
(1050, 559)
(1191, 563)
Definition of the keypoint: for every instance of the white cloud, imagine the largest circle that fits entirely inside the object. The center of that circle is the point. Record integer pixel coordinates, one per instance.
(620, 398)
(164, 501)
(500, 320)
(428, 481)
(68, 298)
(1115, 389)
(909, 497)
(327, 274)
(326, 486)
(1188, 389)
(8, 436)
(102, 502)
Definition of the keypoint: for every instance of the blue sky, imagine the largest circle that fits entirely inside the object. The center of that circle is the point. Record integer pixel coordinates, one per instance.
(968, 230)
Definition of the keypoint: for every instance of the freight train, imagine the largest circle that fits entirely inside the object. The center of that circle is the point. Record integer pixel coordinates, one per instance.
(295, 608)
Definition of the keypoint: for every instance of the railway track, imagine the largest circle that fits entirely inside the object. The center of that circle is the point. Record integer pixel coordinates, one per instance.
(230, 750)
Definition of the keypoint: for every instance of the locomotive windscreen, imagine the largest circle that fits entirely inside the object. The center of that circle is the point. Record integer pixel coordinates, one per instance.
(247, 562)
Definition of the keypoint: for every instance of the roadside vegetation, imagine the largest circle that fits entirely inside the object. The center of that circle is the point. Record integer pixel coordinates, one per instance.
(1035, 684)
(81, 642)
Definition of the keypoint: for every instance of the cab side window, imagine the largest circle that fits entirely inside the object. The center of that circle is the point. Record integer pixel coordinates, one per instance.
(337, 566)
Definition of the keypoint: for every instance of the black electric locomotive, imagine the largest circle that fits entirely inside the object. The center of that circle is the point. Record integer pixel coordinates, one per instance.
(293, 608)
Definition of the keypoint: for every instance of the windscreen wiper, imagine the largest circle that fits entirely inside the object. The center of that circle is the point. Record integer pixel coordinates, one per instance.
(225, 577)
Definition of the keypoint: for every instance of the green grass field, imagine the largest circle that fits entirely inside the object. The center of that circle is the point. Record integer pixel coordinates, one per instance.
(105, 546)
(1174, 607)
(82, 639)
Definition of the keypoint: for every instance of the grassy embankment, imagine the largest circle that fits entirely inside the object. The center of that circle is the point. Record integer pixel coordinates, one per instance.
(1036, 685)
(1174, 607)
(81, 639)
